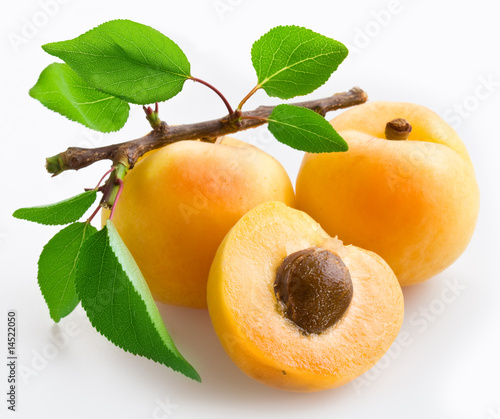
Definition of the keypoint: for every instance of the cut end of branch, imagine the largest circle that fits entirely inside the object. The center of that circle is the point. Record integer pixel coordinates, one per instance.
(55, 165)
(363, 96)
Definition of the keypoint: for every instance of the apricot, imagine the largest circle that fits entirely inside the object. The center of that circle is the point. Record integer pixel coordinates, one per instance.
(296, 309)
(413, 198)
(179, 202)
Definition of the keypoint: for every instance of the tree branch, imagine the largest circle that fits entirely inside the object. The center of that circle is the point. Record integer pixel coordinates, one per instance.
(75, 158)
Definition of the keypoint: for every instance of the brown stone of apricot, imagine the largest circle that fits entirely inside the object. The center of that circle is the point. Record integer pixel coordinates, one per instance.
(314, 287)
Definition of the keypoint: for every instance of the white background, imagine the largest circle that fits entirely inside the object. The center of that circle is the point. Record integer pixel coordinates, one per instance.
(441, 54)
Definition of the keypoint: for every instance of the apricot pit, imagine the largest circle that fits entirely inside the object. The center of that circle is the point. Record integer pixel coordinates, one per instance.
(315, 288)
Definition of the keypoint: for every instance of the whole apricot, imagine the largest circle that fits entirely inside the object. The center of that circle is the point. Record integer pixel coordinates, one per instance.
(406, 189)
(296, 309)
(179, 202)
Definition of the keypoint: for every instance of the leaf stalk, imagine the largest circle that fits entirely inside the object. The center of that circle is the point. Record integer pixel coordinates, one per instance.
(228, 106)
(248, 96)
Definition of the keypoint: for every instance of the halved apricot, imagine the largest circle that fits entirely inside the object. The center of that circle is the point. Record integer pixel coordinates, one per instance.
(255, 325)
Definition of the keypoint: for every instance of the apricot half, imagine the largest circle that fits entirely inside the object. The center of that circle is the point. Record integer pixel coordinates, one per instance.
(411, 198)
(342, 311)
(179, 202)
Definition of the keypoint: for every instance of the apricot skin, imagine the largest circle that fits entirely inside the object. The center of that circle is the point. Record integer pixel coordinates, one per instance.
(254, 332)
(413, 202)
(180, 201)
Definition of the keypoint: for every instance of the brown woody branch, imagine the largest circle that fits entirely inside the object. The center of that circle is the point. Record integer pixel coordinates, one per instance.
(75, 158)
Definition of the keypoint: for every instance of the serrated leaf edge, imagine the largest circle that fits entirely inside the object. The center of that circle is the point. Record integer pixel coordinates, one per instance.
(126, 99)
(32, 91)
(345, 146)
(51, 309)
(193, 373)
(263, 82)
(82, 196)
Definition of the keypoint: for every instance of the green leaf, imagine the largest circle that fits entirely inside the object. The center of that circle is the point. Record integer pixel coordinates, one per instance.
(126, 59)
(305, 130)
(119, 304)
(293, 61)
(57, 268)
(60, 213)
(61, 90)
